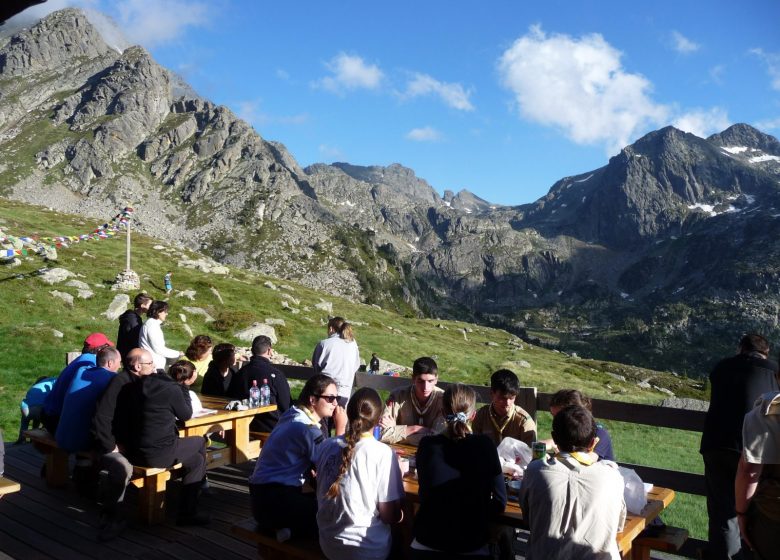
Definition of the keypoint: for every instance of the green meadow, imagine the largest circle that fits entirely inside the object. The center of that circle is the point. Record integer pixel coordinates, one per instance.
(37, 329)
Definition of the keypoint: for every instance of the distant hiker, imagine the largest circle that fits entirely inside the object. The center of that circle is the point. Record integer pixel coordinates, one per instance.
(736, 383)
(373, 365)
(168, 285)
(338, 357)
(130, 323)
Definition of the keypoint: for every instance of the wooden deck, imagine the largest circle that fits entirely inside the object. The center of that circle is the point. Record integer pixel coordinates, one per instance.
(40, 522)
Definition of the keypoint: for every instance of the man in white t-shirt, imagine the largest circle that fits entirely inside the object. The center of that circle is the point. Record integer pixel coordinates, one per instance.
(573, 503)
(350, 524)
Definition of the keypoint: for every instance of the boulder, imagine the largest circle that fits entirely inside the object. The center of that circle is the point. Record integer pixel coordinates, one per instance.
(199, 311)
(270, 285)
(67, 298)
(117, 307)
(686, 404)
(78, 284)
(55, 275)
(256, 329)
(204, 265)
(189, 294)
(291, 299)
(57, 334)
(324, 306)
(279, 322)
(85, 294)
(217, 294)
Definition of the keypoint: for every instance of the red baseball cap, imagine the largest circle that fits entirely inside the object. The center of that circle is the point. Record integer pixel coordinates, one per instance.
(96, 340)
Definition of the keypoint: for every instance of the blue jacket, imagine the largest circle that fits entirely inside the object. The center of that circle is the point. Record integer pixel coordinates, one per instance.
(73, 430)
(53, 404)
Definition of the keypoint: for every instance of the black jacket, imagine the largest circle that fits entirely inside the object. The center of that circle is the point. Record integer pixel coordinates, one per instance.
(736, 383)
(214, 384)
(155, 403)
(130, 324)
(110, 423)
(259, 368)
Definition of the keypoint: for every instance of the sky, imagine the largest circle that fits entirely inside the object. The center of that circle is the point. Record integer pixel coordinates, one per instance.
(502, 98)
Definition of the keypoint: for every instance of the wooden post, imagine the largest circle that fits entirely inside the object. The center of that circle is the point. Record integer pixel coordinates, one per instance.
(127, 266)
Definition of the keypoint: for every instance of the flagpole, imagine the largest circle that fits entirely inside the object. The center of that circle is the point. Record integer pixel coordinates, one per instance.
(127, 267)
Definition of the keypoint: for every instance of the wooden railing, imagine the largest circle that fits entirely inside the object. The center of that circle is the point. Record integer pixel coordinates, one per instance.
(689, 483)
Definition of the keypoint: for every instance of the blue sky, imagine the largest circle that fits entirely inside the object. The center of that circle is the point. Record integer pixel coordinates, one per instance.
(499, 97)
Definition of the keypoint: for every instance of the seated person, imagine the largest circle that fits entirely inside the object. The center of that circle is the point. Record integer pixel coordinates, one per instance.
(502, 417)
(570, 397)
(154, 403)
(359, 486)
(220, 372)
(31, 407)
(276, 488)
(573, 503)
(259, 368)
(461, 485)
(199, 352)
(757, 488)
(415, 411)
(184, 373)
(74, 428)
(52, 406)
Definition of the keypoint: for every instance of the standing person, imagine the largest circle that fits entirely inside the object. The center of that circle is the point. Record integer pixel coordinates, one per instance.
(757, 488)
(414, 411)
(573, 503)
(373, 365)
(502, 417)
(735, 383)
(130, 324)
(570, 397)
(338, 357)
(461, 485)
(168, 284)
(260, 369)
(152, 337)
(52, 405)
(154, 404)
(276, 487)
(220, 372)
(359, 487)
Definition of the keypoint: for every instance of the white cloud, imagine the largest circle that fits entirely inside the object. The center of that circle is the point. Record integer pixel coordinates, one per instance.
(453, 94)
(333, 153)
(579, 86)
(682, 44)
(772, 61)
(350, 72)
(424, 134)
(768, 124)
(155, 23)
(251, 113)
(703, 122)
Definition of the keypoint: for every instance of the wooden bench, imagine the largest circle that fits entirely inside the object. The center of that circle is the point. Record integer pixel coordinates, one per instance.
(8, 486)
(661, 538)
(269, 548)
(150, 481)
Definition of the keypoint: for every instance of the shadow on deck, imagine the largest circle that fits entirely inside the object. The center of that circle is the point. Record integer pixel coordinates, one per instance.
(41, 522)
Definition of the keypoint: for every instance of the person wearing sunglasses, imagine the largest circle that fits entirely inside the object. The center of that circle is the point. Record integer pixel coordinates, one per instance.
(280, 487)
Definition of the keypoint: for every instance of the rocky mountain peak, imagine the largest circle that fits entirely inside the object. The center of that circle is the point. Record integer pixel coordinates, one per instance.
(55, 41)
(399, 180)
(744, 135)
(466, 201)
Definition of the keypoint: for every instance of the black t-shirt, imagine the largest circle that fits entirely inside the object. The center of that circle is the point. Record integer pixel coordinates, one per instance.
(736, 383)
(461, 490)
(214, 384)
(259, 369)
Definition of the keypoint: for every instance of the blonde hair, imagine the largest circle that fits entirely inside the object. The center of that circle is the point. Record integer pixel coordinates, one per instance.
(340, 326)
(363, 412)
(458, 403)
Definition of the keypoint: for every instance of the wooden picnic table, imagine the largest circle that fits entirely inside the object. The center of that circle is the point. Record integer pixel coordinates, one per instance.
(235, 424)
(658, 499)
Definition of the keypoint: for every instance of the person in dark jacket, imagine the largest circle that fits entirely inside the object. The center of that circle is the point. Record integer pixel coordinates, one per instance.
(735, 383)
(130, 323)
(154, 403)
(220, 372)
(260, 368)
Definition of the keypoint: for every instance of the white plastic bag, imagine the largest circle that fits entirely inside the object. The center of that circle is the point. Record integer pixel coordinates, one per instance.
(633, 491)
(514, 455)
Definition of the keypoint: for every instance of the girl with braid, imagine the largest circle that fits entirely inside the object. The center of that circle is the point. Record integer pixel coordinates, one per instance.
(359, 486)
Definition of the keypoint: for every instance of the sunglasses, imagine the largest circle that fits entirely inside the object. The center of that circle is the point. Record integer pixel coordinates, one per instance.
(330, 398)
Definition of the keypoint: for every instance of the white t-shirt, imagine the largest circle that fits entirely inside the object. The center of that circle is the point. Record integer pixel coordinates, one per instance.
(349, 524)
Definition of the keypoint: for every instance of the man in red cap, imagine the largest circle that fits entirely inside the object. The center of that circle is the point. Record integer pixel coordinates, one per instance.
(52, 406)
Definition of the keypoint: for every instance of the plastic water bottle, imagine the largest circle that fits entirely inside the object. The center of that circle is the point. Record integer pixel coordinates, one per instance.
(265, 394)
(254, 395)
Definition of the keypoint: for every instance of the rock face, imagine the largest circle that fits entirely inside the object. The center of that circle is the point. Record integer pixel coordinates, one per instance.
(659, 257)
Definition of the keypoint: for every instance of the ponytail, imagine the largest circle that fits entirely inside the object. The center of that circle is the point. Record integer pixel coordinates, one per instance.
(346, 333)
(363, 411)
(458, 403)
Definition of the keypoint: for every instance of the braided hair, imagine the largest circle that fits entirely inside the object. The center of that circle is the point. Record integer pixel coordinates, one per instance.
(363, 412)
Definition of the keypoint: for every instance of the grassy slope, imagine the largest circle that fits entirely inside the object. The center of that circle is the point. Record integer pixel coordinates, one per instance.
(28, 347)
